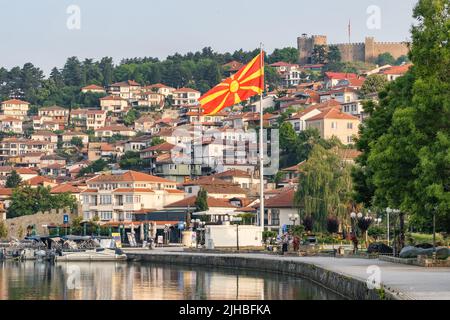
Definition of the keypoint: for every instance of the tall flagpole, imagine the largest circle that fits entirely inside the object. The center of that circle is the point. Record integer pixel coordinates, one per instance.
(261, 147)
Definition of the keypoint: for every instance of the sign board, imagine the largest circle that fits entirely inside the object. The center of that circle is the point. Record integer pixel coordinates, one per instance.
(66, 219)
(131, 239)
(160, 240)
(117, 239)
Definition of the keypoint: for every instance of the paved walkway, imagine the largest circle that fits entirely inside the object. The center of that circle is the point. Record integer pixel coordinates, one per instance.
(413, 281)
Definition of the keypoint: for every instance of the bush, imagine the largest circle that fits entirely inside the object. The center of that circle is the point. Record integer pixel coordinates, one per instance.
(376, 232)
(298, 230)
(308, 223)
(332, 224)
(269, 234)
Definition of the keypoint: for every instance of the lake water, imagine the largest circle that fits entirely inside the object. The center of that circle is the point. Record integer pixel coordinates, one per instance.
(145, 281)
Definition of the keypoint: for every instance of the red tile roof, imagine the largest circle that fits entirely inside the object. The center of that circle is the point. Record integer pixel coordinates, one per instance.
(232, 66)
(283, 200)
(233, 173)
(15, 101)
(283, 64)
(129, 176)
(6, 191)
(397, 70)
(131, 190)
(333, 113)
(63, 188)
(212, 203)
(125, 83)
(93, 87)
(340, 75)
(38, 180)
(180, 90)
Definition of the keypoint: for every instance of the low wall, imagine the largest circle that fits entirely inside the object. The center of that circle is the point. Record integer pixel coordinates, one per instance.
(421, 261)
(346, 286)
(19, 224)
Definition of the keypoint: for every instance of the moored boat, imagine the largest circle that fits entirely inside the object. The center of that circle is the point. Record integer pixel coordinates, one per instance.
(93, 255)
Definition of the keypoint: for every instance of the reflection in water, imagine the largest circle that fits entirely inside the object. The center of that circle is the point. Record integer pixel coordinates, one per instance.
(144, 281)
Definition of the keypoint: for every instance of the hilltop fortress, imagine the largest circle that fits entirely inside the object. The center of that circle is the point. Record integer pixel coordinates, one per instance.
(366, 52)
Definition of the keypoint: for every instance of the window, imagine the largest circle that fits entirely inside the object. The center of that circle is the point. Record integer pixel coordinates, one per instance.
(297, 126)
(86, 215)
(129, 199)
(275, 217)
(105, 199)
(105, 215)
(349, 125)
(349, 139)
(129, 215)
(333, 125)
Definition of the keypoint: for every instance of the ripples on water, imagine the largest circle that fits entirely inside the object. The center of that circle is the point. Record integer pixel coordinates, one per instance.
(144, 281)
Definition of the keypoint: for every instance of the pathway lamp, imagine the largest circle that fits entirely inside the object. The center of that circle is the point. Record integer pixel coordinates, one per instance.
(236, 220)
(388, 212)
(294, 217)
(434, 232)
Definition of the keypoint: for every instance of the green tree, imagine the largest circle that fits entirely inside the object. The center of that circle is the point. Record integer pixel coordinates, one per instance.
(27, 201)
(13, 180)
(401, 60)
(334, 54)
(131, 160)
(288, 54)
(96, 166)
(319, 54)
(288, 136)
(324, 188)
(157, 141)
(201, 202)
(3, 230)
(373, 84)
(384, 59)
(77, 142)
(405, 144)
(130, 118)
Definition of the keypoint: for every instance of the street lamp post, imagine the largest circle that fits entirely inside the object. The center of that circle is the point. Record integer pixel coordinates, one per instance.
(434, 233)
(293, 217)
(237, 220)
(388, 212)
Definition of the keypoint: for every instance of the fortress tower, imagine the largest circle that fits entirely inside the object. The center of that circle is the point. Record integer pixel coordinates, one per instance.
(306, 46)
(366, 51)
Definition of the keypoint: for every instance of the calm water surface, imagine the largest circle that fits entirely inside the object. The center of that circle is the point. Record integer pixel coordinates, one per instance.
(145, 281)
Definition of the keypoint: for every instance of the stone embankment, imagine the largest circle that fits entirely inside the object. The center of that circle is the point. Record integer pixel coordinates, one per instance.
(349, 287)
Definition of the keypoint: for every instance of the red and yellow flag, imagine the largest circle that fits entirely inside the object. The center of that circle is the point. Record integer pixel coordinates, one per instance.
(247, 82)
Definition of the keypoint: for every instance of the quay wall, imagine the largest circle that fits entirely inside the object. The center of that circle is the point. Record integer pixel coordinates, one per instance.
(17, 227)
(344, 285)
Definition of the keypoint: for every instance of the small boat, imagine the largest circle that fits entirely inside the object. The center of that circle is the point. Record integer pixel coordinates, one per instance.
(93, 255)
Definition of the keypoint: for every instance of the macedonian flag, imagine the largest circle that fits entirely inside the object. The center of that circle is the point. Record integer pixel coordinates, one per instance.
(247, 82)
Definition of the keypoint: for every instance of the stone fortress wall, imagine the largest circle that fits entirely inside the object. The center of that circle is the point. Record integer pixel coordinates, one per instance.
(366, 51)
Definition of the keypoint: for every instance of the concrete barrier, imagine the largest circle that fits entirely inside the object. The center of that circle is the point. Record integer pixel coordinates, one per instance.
(345, 286)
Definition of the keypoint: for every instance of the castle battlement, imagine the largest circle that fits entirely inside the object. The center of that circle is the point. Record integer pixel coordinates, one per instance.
(348, 44)
(392, 43)
(366, 51)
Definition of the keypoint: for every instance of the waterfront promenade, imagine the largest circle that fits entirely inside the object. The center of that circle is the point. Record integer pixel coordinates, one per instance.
(409, 282)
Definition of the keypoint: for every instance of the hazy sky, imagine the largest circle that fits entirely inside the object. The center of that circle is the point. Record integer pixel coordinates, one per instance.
(37, 32)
